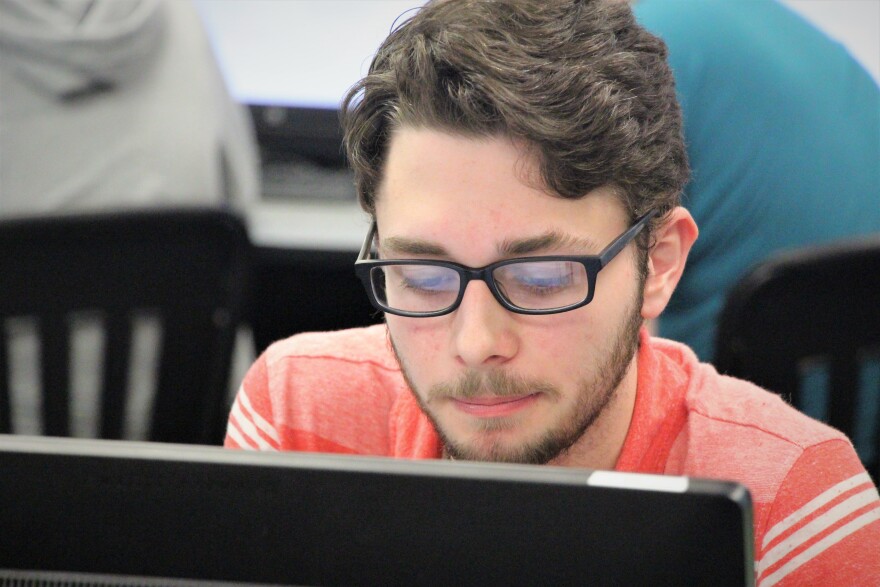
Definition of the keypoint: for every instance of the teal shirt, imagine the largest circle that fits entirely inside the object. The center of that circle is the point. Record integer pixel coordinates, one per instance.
(783, 134)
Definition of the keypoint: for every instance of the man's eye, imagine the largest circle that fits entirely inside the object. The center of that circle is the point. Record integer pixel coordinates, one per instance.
(540, 275)
(539, 282)
(429, 279)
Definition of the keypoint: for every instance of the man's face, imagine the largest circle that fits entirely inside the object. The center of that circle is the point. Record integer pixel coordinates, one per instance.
(497, 385)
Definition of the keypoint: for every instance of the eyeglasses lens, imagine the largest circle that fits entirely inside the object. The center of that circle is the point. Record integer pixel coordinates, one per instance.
(531, 285)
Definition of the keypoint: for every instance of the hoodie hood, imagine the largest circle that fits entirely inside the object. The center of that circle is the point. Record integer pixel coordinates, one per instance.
(71, 47)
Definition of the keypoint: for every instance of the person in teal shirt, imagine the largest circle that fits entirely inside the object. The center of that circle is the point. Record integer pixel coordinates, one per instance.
(783, 135)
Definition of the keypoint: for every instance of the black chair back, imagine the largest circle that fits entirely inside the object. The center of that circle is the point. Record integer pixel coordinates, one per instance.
(296, 290)
(806, 324)
(185, 269)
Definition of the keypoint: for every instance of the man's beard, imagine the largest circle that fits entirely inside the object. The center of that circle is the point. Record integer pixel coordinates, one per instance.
(593, 398)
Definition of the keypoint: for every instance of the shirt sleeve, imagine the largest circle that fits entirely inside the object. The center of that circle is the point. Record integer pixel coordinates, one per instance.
(824, 525)
(250, 423)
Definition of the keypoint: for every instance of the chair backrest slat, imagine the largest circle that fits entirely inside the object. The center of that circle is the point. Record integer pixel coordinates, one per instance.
(54, 332)
(5, 402)
(115, 380)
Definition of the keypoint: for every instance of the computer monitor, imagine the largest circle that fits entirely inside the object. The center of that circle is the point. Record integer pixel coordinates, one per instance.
(293, 61)
(102, 512)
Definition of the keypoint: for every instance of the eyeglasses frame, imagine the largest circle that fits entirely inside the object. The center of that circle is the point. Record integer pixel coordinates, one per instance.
(592, 264)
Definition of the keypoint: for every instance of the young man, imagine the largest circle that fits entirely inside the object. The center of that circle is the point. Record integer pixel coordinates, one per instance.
(522, 162)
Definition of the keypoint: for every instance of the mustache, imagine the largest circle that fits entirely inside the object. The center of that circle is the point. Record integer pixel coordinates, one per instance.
(494, 383)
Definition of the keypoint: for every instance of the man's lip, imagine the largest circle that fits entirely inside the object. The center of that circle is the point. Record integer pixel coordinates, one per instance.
(493, 406)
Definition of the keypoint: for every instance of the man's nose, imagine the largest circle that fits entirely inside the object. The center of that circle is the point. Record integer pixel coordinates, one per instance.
(484, 332)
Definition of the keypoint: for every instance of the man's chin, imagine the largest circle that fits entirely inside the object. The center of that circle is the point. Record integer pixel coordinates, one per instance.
(499, 446)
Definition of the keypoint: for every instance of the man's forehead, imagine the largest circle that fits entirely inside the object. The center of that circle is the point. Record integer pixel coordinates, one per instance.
(448, 195)
(423, 148)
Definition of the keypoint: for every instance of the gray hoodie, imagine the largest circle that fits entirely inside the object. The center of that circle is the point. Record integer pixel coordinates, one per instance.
(116, 103)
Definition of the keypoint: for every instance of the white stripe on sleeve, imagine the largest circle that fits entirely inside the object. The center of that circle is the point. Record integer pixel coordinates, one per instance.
(820, 546)
(233, 432)
(815, 527)
(267, 428)
(246, 426)
(813, 505)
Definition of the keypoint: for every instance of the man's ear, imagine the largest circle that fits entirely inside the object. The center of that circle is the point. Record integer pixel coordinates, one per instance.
(666, 260)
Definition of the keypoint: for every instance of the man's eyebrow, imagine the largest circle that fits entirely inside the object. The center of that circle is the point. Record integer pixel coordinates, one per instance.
(399, 245)
(548, 241)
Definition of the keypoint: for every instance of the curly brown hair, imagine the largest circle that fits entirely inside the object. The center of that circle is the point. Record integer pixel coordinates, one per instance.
(579, 82)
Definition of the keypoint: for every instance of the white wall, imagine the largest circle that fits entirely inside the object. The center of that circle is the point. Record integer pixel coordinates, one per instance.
(855, 23)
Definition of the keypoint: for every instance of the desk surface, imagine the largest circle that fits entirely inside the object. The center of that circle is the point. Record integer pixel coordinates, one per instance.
(308, 224)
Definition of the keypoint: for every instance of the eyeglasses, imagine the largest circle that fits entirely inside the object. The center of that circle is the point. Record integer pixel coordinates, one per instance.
(528, 285)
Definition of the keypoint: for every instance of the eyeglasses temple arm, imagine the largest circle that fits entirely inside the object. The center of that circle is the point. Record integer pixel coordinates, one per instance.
(364, 253)
(614, 248)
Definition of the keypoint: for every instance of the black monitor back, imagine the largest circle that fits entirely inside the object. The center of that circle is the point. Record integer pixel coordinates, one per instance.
(124, 509)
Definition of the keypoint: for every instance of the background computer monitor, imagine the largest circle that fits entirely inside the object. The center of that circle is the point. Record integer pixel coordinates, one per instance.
(144, 511)
(293, 61)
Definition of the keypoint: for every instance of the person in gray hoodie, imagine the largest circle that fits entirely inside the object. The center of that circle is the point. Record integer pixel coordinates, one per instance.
(114, 104)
